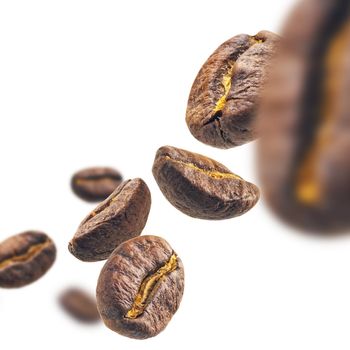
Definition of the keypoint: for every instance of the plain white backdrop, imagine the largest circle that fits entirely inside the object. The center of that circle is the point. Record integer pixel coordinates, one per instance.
(87, 83)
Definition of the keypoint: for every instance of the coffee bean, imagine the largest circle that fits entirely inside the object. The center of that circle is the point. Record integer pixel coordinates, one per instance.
(201, 187)
(120, 217)
(224, 97)
(140, 287)
(24, 258)
(95, 184)
(305, 120)
(80, 305)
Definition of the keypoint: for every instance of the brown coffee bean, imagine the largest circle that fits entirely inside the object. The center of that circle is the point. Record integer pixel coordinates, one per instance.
(95, 184)
(122, 216)
(140, 287)
(201, 187)
(224, 97)
(305, 120)
(80, 305)
(24, 258)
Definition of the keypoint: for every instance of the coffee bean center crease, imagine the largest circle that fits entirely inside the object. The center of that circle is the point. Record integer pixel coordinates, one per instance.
(212, 173)
(108, 202)
(226, 82)
(308, 189)
(149, 286)
(30, 253)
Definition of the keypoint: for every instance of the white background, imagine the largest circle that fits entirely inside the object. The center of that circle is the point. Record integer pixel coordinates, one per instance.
(106, 83)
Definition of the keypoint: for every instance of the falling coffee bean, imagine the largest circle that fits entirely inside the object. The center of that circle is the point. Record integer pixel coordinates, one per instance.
(80, 305)
(224, 97)
(24, 258)
(120, 217)
(201, 187)
(95, 184)
(305, 120)
(140, 287)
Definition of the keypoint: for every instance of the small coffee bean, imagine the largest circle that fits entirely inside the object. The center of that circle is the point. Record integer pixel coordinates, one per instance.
(224, 97)
(80, 305)
(201, 187)
(24, 258)
(305, 120)
(95, 184)
(122, 216)
(140, 287)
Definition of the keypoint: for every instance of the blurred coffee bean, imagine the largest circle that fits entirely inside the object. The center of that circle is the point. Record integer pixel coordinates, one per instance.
(80, 305)
(24, 258)
(95, 184)
(305, 120)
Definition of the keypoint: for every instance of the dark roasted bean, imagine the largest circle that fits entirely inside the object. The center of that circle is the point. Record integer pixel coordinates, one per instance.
(24, 258)
(201, 187)
(224, 97)
(120, 217)
(95, 184)
(140, 287)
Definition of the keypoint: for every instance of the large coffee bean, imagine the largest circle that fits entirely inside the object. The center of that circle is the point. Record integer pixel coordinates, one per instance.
(305, 120)
(24, 258)
(140, 287)
(201, 187)
(225, 94)
(120, 217)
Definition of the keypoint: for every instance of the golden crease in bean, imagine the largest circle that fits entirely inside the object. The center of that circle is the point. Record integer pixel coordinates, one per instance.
(107, 204)
(308, 189)
(226, 81)
(86, 180)
(29, 254)
(212, 173)
(149, 286)
(94, 179)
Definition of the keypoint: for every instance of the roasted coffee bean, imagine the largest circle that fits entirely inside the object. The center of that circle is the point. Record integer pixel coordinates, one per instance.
(24, 258)
(305, 120)
(224, 97)
(201, 187)
(95, 184)
(120, 217)
(140, 287)
(80, 305)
